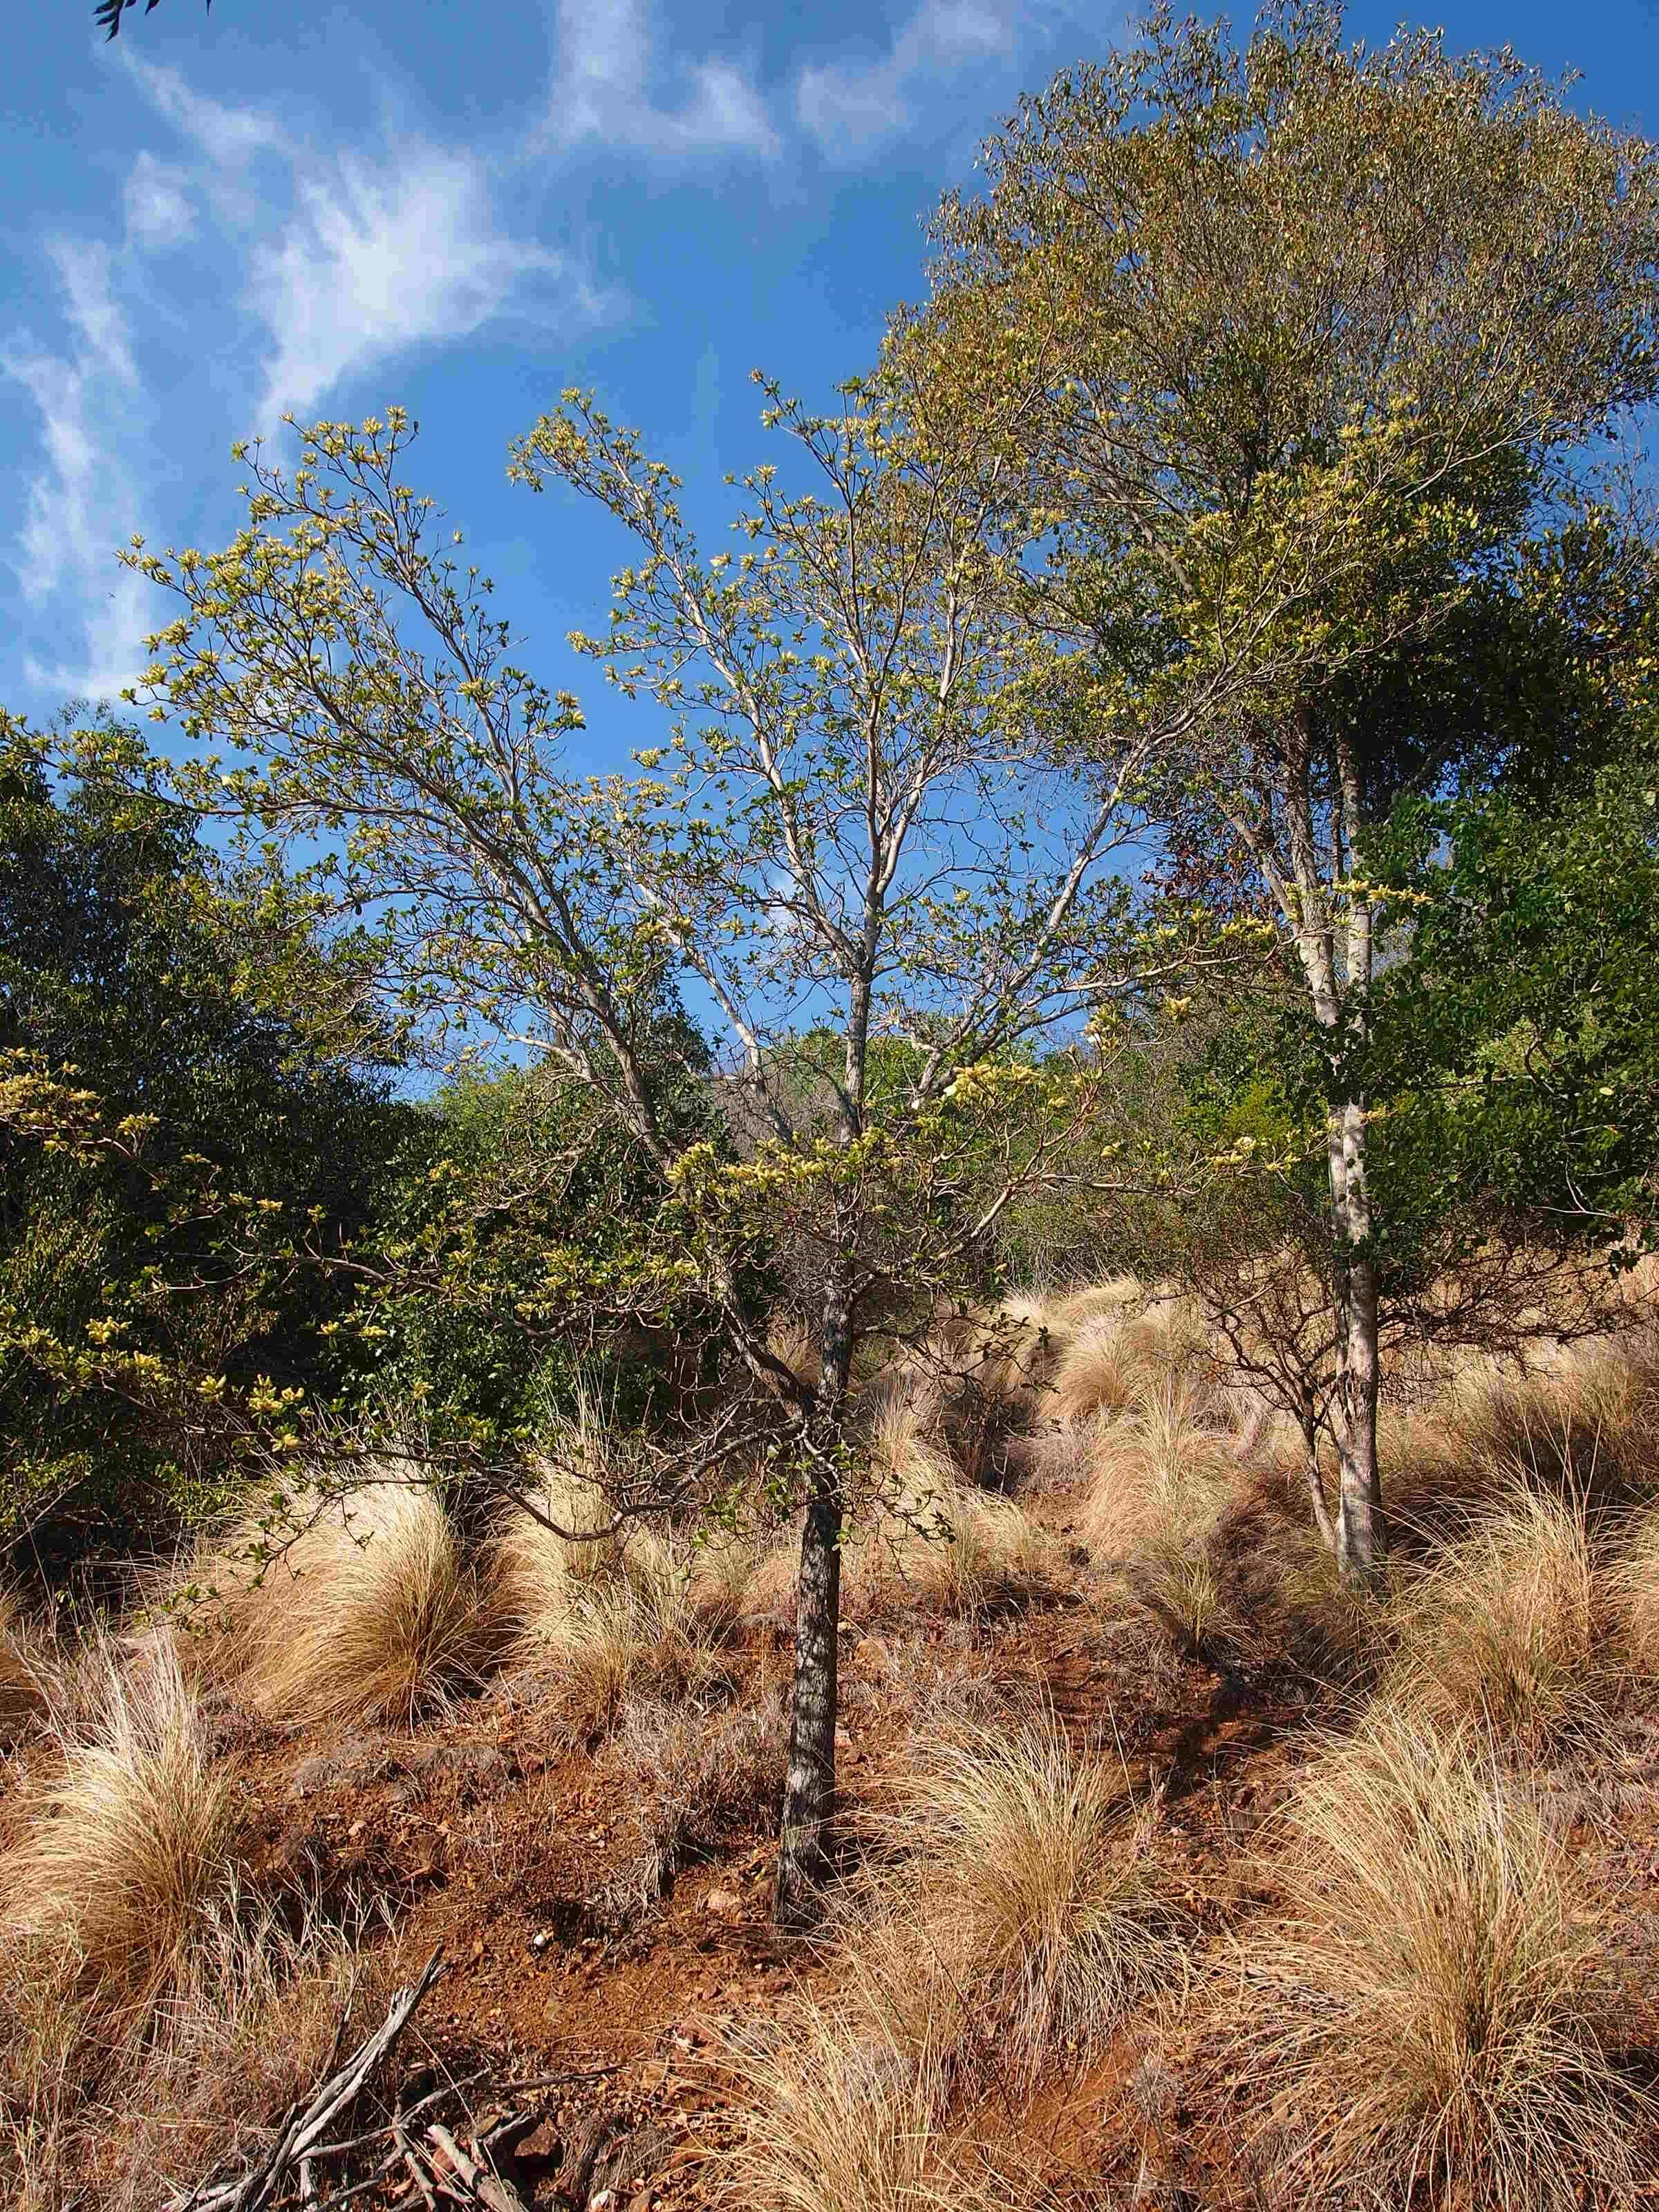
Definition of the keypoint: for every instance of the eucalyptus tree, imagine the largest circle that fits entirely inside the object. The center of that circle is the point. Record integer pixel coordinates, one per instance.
(1299, 344)
(836, 849)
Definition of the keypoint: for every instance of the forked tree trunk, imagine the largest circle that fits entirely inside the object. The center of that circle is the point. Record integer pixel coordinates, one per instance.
(808, 1788)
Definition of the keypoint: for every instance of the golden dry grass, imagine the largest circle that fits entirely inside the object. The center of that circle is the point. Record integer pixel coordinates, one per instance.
(128, 2122)
(642, 1614)
(789, 1338)
(1509, 1627)
(1633, 1585)
(126, 1850)
(835, 2117)
(1112, 1359)
(1023, 1911)
(22, 1699)
(932, 1538)
(1430, 2014)
(1159, 1479)
(372, 1613)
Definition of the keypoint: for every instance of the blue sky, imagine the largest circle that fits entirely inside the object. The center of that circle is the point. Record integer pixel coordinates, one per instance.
(324, 205)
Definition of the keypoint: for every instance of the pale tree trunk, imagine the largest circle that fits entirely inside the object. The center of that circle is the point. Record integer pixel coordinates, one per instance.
(808, 1788)
(1361, 1527)
(1359, 1535)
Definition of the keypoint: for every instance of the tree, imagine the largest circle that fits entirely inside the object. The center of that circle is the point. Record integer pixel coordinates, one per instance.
(170, 1032)
(837, 845)
(1296, 344)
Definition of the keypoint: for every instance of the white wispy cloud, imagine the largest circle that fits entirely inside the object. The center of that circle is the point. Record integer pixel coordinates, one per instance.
(851, 107)
(324, 269)
(160, 211)
(602, 90)
(229, 137)
(352, 258)
(377, 258)
(82, 496)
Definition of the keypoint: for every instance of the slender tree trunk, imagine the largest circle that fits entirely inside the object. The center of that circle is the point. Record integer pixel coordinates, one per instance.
(1316, 1480)
(1361, 1527)
(1362, 1531)
(1340, 998)
(808, 1788)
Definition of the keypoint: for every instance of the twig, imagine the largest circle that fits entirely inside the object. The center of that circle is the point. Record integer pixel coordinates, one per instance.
(559, 2080)
(406, 2152)
(490, 2191)
(252, 2190)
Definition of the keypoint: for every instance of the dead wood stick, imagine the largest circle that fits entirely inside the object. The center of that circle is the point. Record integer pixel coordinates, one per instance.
(252, 2190)
(406, 2152)
(490, 2189)
(558, 2080)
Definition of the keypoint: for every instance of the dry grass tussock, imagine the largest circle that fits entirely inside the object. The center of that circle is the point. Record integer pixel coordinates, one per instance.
(1436, 2021)
(971, 1387)
(1112, 1358)
(932, 1538)
(371, 1612)
(1509, 1627)
(1019, 1910)
(1633, 1585)
(124, 1856)
(1159, 1479)
(636, 1613)
(21, 1697)
(837, 2115)
(695, 1782)
(127, 2126)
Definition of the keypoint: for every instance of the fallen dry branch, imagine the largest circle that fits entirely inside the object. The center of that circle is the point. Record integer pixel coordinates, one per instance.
(307, 2124)
(482, 2186)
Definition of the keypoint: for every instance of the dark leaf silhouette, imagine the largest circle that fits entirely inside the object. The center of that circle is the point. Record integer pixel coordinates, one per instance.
(108, 13)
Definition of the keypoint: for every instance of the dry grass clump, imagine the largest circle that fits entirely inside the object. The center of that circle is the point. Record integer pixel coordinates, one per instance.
(126, 1850)
(541, 1571)
(266, 2006)
(22, 1699)
(1507, 1626)
(372, 1613)
(1159, 1481)
(1023, 1910)
(967, 1389)
(837, 2116)
(1632, 1582)
(1112, 1358)
(935, 1541)
(127, 2124)
(695, 1782)
(1438, 2022)
(789, 1338)
(656, 1620)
